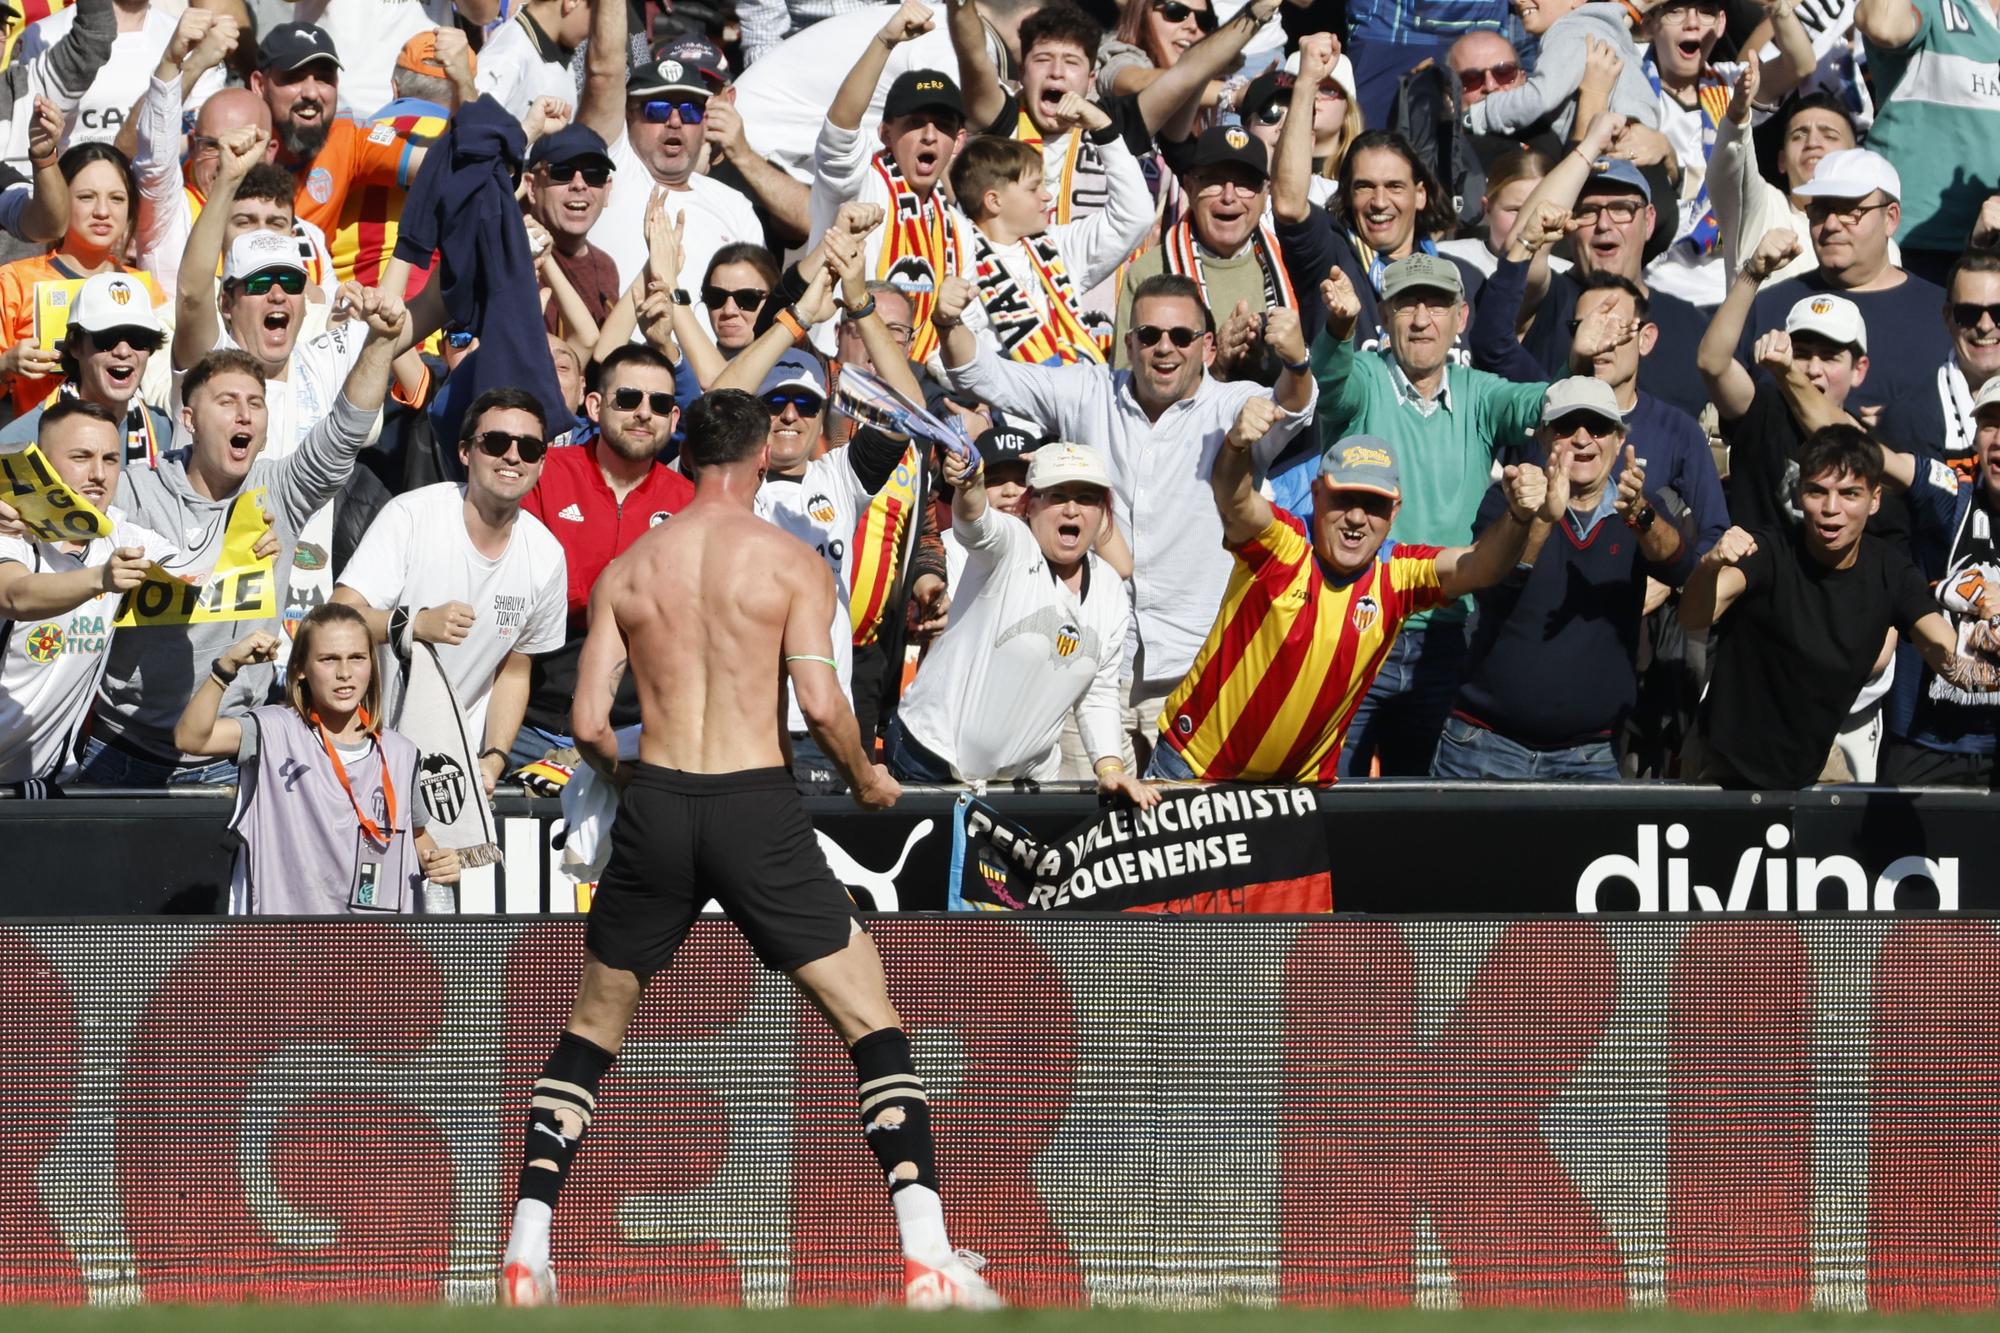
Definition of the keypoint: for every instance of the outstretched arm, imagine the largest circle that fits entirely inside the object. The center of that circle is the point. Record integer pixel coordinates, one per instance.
(201, 729)
(1728, 383)
(1939, 647)
(978, 77)
(1892, 24)
(1717, 582)
(197, 323)
(602, 106)
(1245, 512)
(857, 90)
(1167, 92)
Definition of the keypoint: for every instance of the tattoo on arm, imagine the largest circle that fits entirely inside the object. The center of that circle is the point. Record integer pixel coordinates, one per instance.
(1970, 674)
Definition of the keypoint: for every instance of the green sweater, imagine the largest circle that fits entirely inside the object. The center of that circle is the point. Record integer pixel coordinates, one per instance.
(1446, 458)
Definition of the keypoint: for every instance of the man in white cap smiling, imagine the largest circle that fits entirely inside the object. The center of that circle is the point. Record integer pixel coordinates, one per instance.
(1574, 616)
(112, 336)
(1037, 629)
(1311, 612)
(1853, 208)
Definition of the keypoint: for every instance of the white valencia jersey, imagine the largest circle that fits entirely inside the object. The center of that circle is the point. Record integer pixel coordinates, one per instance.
(821, 509)
(1020, 652)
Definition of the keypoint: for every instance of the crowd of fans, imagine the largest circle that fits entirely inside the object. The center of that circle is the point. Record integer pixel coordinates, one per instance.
(1180, 389)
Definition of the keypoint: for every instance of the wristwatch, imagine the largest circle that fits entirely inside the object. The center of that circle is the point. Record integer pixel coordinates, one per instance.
(679, 296)
(1641, 521)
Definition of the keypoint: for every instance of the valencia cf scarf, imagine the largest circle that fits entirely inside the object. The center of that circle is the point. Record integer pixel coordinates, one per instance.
(448, 778)
(1711, 98)
(919, 250)
(1180, 256)
(880, 541)
(1024, 333)
(1081, 187)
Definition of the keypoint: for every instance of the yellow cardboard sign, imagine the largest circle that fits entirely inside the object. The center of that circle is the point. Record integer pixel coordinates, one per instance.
(240, 587)
(51, 511)
(54, 299)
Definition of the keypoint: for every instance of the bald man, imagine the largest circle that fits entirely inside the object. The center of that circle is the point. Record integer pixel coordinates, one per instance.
(1485, 62)
(169, 200)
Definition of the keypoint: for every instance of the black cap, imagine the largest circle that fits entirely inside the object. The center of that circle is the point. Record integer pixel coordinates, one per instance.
(656, 78)
(1230, 145)
(291, 46)
(922, 90)
(571, 143)
(1010, 439)
(1265, 89)
(706, 57)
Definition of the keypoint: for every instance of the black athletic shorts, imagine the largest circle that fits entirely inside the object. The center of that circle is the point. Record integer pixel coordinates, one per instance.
(742, 839)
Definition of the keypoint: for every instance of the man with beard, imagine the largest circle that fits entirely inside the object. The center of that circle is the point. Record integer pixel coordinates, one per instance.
(112, 336)
(298, 76)
(598, 499)
(1807, 618)
(459, 565)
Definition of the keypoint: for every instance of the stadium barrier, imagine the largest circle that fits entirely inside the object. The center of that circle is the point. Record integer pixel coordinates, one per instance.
(1612, 1111)
(1391, 848)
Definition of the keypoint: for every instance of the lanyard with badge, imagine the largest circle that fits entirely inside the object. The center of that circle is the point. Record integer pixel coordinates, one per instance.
(367, 892)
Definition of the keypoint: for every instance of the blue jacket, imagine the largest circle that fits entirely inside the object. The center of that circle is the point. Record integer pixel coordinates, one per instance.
(1911, 713)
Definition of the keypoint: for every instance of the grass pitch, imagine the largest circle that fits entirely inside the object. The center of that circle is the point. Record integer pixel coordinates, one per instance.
(614, 1319)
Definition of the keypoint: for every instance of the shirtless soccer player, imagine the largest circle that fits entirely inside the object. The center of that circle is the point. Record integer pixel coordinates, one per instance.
(706, 612)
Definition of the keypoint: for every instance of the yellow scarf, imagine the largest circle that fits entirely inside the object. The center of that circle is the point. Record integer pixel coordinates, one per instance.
(919, 250)
(1057, 339)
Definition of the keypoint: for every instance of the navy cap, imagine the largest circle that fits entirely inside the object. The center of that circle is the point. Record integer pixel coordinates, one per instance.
(1618, 173)
(651, 78)
(1008, 441)
(291, 46)
(571, 143)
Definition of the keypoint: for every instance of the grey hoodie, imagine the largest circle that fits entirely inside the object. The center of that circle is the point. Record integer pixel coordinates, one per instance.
(154, 669)
(63, 74)
(1559, 72)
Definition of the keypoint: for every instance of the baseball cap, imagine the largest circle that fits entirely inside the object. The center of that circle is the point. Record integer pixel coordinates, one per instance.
(571, 143)
(1988, 395)
(1060, 462)
(922, 90)
(291, 46)
(1010, 439)
(1429, 272)
(703, 55)
(1834, 318)
(113, 301)
(1342, 73)
(1362, 463)
(795, 370)
(1852, 173)
(1229, 145)
(1581, 393)
(1265, 89)
(1617, 173)
(256, 251)
(650, 78)
(420, 56)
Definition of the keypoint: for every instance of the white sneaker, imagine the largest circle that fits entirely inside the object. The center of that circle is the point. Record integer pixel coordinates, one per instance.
(525, 1285)
(954, 1284)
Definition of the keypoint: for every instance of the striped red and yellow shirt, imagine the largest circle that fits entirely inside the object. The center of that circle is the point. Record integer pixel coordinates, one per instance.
(1289, 658)
(365, 238)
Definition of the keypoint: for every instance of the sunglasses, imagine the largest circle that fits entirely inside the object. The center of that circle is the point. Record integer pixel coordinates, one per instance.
(459, 339)
(808, 404)
(497, 443)
(1493, 76)
(562, 173)
(628, 400)
(1822, 210)
(1271, 113)
(746, 298)
(288, 280)
(138, 339)
(1173, 11)
(1148, 334)
(1965, 314)
(659, 113)
(1570, 423)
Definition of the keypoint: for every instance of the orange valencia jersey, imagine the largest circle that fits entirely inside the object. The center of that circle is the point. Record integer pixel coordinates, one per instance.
(366, 238)
(1289, 658)
(358, 160)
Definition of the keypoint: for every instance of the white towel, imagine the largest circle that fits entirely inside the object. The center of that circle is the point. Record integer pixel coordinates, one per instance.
(590, 807)
(448, 778)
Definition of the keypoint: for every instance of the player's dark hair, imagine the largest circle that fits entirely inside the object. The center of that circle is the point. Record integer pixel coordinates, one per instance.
(1601, 281)
(1840, 449)
(1434, 219)
(223, 360)
(267, 182)
(632, 354)
(65, 408)
(504, 399)
(724, 426)
(1061, 22)
(1971, 261)
(1815, 101)
(298, 693)
(1175, 284)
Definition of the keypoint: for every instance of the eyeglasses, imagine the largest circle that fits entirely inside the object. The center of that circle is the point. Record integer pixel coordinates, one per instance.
(1965, 314)
(1493, 76)
(902, 333)
(496, 444)
(202, 143)
(1571, 422)
(562, 173)
(138, 339)
(659, 113)
(459, 339)
(628, 400)
(808, 404)
(747, 298)
(1849, 215)
(1148, 334)
(289, 281)
(1173, 11)
(1620, 211)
